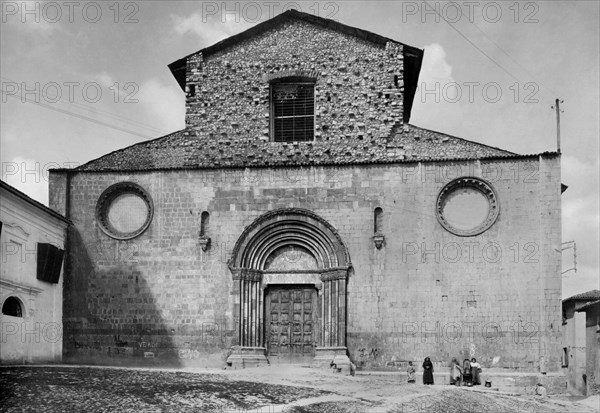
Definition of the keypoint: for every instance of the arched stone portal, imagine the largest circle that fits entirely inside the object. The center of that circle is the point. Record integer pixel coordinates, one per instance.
(291, 250)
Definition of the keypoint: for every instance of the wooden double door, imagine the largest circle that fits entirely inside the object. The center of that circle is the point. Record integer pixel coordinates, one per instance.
(291, 323)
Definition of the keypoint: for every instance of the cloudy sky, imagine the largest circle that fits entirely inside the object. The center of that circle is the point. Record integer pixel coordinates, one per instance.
(81, 79)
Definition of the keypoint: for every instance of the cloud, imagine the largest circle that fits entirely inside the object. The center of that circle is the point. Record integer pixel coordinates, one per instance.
(581, 220)
(210, 30)
(582, 195)
(437, 95)
(435, 68)
(28, 176)
(34, 16)
(164, 103)
(435, 74)
(105, 79)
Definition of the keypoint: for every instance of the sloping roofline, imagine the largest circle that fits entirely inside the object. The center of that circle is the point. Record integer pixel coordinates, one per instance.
(586, 296)
(338, 164)
(413, 57)
(505, 155)
(589, 306)
(33, 202)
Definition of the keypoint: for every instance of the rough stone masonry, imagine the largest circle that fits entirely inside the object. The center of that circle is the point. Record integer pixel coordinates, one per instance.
(216, 245)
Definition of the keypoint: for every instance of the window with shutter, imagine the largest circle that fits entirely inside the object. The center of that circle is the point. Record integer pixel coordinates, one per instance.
(293, 111)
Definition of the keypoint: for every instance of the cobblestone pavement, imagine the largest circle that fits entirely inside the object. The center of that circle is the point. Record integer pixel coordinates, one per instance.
(289, 389)
(68, 389)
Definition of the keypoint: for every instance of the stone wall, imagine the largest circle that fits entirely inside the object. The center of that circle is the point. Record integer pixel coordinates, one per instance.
(358, 91)
(426, 292)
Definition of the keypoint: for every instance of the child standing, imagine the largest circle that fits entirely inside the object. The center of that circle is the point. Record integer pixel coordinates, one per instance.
(411, 372)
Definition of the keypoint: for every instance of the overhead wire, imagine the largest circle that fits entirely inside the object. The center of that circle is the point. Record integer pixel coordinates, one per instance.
(473, 44)
(511, 58)
(95, 111)
(77, 115)
(487, 55)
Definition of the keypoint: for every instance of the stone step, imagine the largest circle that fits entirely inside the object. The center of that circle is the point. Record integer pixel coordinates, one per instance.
(510, 382)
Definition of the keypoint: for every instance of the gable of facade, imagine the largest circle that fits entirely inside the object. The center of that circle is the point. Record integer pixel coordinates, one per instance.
(352, 68)
(363, 88)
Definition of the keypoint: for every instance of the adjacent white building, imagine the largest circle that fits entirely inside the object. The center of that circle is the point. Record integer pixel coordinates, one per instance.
(574, 339)
(32, 237)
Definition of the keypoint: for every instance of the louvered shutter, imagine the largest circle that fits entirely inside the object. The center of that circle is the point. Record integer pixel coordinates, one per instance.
(293, 112)
(49, 262)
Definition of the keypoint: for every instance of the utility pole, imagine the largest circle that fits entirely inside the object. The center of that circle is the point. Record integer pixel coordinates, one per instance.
(556, 106)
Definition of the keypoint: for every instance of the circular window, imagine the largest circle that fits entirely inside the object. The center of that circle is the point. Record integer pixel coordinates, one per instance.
(124, 210)
(467, 206)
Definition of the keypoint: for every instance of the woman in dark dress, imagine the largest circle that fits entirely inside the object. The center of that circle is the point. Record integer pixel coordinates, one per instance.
(427, 371)
(467, 373)
(475, 370)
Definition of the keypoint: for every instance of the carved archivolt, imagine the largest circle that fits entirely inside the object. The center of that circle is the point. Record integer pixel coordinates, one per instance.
(300, 228)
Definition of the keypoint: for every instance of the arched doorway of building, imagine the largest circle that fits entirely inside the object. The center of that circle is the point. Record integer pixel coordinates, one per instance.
(290, 269)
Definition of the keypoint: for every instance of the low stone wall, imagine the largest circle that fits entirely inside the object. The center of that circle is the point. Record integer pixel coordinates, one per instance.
(520, 383)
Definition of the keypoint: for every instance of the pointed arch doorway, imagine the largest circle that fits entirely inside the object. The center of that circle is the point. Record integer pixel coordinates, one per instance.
(290, 269)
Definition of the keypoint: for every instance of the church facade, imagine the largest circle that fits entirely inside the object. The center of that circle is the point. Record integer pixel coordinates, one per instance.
(299, 217)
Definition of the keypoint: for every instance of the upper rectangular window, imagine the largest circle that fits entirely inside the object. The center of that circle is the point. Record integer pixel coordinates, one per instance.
(293, 112)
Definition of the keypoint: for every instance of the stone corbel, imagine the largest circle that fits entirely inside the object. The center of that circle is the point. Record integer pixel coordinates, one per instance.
(246, 274)
(379, 240)
(334, 274)
(204, 243)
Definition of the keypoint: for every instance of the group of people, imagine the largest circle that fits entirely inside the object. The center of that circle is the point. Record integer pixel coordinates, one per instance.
(467, 374)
